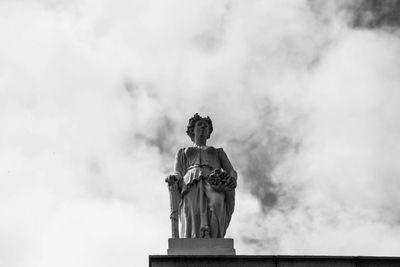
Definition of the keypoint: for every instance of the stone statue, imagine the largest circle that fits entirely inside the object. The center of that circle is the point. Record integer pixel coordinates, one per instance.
(202, 187)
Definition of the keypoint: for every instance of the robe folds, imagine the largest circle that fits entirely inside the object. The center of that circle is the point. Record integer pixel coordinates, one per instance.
(201, 208)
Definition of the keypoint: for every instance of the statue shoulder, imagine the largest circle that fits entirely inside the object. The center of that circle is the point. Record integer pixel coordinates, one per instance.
(221, 153)
(181, 152)
(220, 150)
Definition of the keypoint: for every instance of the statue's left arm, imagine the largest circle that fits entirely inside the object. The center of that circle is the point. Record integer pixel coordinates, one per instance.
(229, 195)
(226, 164)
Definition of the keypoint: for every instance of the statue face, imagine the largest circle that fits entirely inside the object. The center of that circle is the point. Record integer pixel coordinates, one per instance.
(201, 129)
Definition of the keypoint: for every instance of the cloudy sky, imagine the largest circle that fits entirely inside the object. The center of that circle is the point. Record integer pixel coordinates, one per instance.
(95, 97)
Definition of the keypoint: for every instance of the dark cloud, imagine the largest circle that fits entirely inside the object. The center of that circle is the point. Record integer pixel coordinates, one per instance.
(161, 130)
(364, 14)
(376, 14)
(258, 156)
(164, 138)
(130, 87)
(261, 244)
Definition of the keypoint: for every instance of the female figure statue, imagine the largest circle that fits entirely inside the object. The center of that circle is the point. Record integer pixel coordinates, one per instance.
(204, 182)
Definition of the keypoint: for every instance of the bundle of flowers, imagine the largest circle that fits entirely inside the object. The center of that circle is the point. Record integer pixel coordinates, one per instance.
(221, 181)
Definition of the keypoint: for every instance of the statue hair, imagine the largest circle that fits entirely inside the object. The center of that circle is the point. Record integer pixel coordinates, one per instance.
(192, 121)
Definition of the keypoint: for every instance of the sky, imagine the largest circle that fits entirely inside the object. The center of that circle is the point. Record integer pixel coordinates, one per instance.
(95, 97)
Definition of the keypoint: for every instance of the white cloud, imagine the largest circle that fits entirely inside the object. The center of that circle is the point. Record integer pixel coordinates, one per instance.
(89, 89)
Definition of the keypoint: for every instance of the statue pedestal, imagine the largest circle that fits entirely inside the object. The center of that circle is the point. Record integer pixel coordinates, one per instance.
(200, 246)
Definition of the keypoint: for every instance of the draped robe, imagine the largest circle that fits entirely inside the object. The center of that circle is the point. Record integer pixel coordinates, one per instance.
(201, 208)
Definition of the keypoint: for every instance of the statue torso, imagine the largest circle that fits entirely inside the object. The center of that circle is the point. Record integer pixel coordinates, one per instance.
(200, 162)
(198, 156)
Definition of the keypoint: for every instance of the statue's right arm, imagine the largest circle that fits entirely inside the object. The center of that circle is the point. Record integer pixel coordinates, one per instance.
(179, 167)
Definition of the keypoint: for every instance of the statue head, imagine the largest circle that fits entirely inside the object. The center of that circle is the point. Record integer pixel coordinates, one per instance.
(198, 120)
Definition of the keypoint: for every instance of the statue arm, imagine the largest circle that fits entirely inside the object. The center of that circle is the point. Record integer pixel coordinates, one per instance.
(179, 166)
(226, 164)
(175, 186)
(229, 195)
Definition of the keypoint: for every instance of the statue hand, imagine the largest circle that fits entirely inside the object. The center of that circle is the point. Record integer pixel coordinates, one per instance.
(171, 179)
(231, 183)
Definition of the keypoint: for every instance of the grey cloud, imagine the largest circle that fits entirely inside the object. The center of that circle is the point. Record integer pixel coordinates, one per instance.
(374, 14)
(164, 137)
(259, 154)
(367, 14)
(302, 100)
(213, 37)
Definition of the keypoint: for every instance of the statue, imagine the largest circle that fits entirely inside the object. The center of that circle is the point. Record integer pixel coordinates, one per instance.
(202, 187)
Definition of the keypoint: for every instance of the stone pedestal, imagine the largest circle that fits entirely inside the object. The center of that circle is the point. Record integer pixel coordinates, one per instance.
(200, 246)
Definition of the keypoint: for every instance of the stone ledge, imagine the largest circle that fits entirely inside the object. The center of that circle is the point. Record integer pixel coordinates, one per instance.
(270, 261)
(200, 246)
